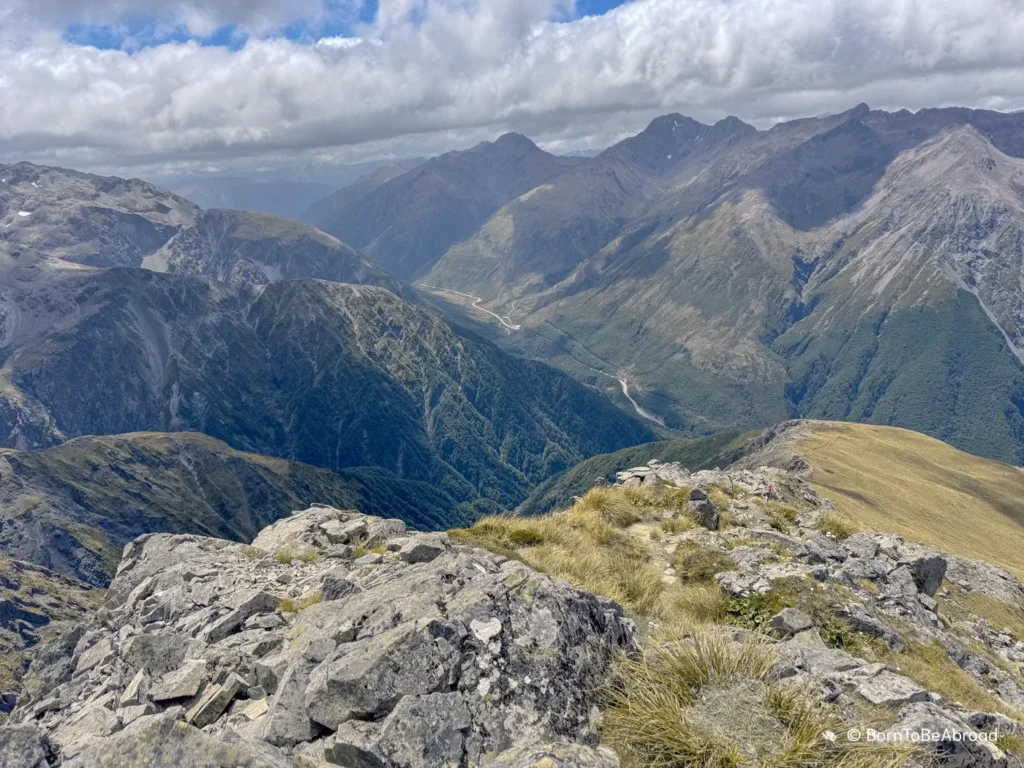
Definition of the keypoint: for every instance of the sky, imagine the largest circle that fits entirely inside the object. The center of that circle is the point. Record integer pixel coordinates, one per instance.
(283, 86)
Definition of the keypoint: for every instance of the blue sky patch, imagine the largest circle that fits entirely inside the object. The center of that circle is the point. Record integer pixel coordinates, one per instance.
(137, 32)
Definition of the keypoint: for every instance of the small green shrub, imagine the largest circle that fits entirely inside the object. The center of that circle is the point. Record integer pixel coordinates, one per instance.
(755, 611)
(699, 565)
(525, 537)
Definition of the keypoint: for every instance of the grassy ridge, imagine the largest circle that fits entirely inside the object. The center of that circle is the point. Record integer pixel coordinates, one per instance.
(898, 481)
(72, 508)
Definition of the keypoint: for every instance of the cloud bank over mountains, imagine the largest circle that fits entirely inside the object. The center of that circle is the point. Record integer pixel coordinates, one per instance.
(233, 83)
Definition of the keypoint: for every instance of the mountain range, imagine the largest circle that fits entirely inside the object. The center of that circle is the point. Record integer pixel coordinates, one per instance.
(129, 309)
(864, 266)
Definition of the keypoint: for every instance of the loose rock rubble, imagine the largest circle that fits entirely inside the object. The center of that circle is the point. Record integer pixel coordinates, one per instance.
(335, 638)
(342, 639)
(880, 585)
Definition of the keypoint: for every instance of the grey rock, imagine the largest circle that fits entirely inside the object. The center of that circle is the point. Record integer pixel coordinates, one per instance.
(822, 549)
(522, 653)
(24, 746)
(337, 587)
(927, 565)
(928, 718)
(425, 730)
(890, 689)
(162, 742)
(155, 654)
(789, 622)
(137, 690)
(367, 677)
(862, 621)
(344, 533)
(556, 756)
(704, 511)
(182, 683)
(741, 584)
(288, 722)
(98, 655)
(422, 549)
(861, 545)
(258, 601)
(213, 703)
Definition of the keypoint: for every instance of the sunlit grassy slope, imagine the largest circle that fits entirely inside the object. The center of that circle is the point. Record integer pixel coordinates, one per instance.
(898, 481)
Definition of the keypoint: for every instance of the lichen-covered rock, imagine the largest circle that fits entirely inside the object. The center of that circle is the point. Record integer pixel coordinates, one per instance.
(24, 746)
(557, 756)
(429, 654)
(948, 740)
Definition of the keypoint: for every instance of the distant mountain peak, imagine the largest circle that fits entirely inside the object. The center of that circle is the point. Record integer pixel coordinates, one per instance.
(515, 140)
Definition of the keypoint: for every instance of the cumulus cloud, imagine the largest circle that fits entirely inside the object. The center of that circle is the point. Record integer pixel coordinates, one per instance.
(430, 73)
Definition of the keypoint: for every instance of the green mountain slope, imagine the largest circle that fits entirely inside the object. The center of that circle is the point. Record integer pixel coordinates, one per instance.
(72, 508)
(862, 266)
(330, 374)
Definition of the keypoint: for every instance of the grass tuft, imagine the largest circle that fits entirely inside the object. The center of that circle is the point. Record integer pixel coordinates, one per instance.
(288, 605)
(697, 565)
(837, 525)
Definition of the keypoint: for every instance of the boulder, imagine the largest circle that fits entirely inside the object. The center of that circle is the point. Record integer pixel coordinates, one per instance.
(423, 549)
(740, 584)
(950, 742)
(889, 689)
(24, 746)
(927, 566)
(182, 683)
(161, 741)
(789, 622)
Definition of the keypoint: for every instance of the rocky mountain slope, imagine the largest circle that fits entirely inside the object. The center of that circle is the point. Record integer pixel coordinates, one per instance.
(407, 223)
(902, 482)
(36, 605)
(768, 631)
(59, 214)
(331, 374)
(334, 639)
(73, 508)
(857, 267)
(775, 628)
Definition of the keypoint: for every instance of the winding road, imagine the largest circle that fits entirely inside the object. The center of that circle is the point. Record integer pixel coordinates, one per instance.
(476, 305)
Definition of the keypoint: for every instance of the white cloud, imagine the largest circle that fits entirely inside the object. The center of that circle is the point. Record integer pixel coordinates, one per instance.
(432, 73)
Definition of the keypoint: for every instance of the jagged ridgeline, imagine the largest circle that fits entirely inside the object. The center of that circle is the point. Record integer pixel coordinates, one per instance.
(711, 618)
(861, 266)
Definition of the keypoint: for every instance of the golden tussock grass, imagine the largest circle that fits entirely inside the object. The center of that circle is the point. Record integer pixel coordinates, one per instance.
(587, 545)
(653, 717)
(897, 481)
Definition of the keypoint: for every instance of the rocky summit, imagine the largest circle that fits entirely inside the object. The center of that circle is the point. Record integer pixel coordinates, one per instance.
(736, 613)
(334, 638)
